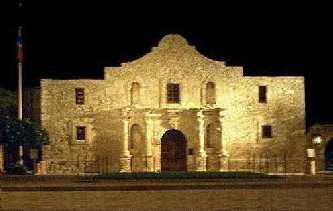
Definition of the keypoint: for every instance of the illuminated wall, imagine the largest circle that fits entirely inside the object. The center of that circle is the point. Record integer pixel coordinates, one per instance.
(174, 61)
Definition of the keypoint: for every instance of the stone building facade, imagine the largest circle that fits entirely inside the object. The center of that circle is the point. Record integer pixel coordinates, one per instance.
(174, 110)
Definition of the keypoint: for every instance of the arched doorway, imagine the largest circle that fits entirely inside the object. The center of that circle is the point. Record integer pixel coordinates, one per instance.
(329, 156)
(173, 151)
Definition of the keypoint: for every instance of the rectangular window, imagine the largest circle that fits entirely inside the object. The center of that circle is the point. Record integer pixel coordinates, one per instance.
(173, 93)
(79, 96)
(266, 131)
(191, 151)
(81, 133)
(262, 94)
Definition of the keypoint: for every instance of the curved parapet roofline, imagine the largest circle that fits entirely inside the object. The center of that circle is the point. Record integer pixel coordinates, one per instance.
(172, 46)
(173, 55)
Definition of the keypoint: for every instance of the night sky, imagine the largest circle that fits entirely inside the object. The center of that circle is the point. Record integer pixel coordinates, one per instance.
(76, 40)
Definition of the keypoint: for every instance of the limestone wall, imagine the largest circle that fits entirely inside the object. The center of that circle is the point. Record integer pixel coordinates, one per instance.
(176, 62)
(60, 115)
(284, 111)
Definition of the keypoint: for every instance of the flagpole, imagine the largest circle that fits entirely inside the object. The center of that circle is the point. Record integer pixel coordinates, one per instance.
(20, 87)
(20, 82)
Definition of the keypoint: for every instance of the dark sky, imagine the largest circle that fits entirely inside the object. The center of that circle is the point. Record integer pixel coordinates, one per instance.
(77, 39)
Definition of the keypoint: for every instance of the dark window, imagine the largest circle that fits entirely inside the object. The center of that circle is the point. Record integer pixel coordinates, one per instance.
(79, 96)
(80, 133)
(191, 151)
(262, 94)
(210, 93)
(173, 93)
(266, 131)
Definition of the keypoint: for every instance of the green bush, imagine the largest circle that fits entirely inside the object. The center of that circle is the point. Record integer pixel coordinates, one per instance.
(17, 169)
(186, 175)
(20, 132)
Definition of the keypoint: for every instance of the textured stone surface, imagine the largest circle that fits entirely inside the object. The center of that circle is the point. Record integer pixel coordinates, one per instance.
(236, 117)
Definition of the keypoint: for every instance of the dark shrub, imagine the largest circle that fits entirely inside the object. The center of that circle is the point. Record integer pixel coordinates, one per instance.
(17, 169)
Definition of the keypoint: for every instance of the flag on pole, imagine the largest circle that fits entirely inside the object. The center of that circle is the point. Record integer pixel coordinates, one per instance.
(19, 44)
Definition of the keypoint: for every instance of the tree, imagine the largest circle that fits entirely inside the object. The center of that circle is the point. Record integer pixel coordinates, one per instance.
(20, 132)
(14, 133)
(8, 104)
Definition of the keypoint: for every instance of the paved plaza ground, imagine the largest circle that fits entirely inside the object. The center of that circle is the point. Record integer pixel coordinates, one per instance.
(285, 193)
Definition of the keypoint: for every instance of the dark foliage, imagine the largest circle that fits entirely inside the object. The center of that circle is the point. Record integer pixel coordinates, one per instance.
(7, 104)
(20, 132)
(186, 175)
(17, 169)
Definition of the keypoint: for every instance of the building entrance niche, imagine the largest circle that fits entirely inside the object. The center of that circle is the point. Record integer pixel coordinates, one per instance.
(173, 151)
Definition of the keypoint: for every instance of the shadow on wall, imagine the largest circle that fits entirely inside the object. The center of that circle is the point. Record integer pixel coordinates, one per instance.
(284, 152)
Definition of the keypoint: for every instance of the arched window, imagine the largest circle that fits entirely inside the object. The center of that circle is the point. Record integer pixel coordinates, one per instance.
(210, 93)
(135, 93)
(135, 136)
(209, 136)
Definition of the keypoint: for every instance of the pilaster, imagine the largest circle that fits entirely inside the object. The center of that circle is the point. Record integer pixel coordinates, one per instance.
(223, 155)
(201, 153)
(125, 157)
(150, 119)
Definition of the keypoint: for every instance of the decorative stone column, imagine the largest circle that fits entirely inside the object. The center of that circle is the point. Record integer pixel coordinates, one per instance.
(158, 154)
(43, 168)
(201, 153)
(149, 139)
(125, 157)
(223, 155)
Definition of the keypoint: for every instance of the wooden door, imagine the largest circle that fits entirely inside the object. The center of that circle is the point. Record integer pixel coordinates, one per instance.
(173, 151)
